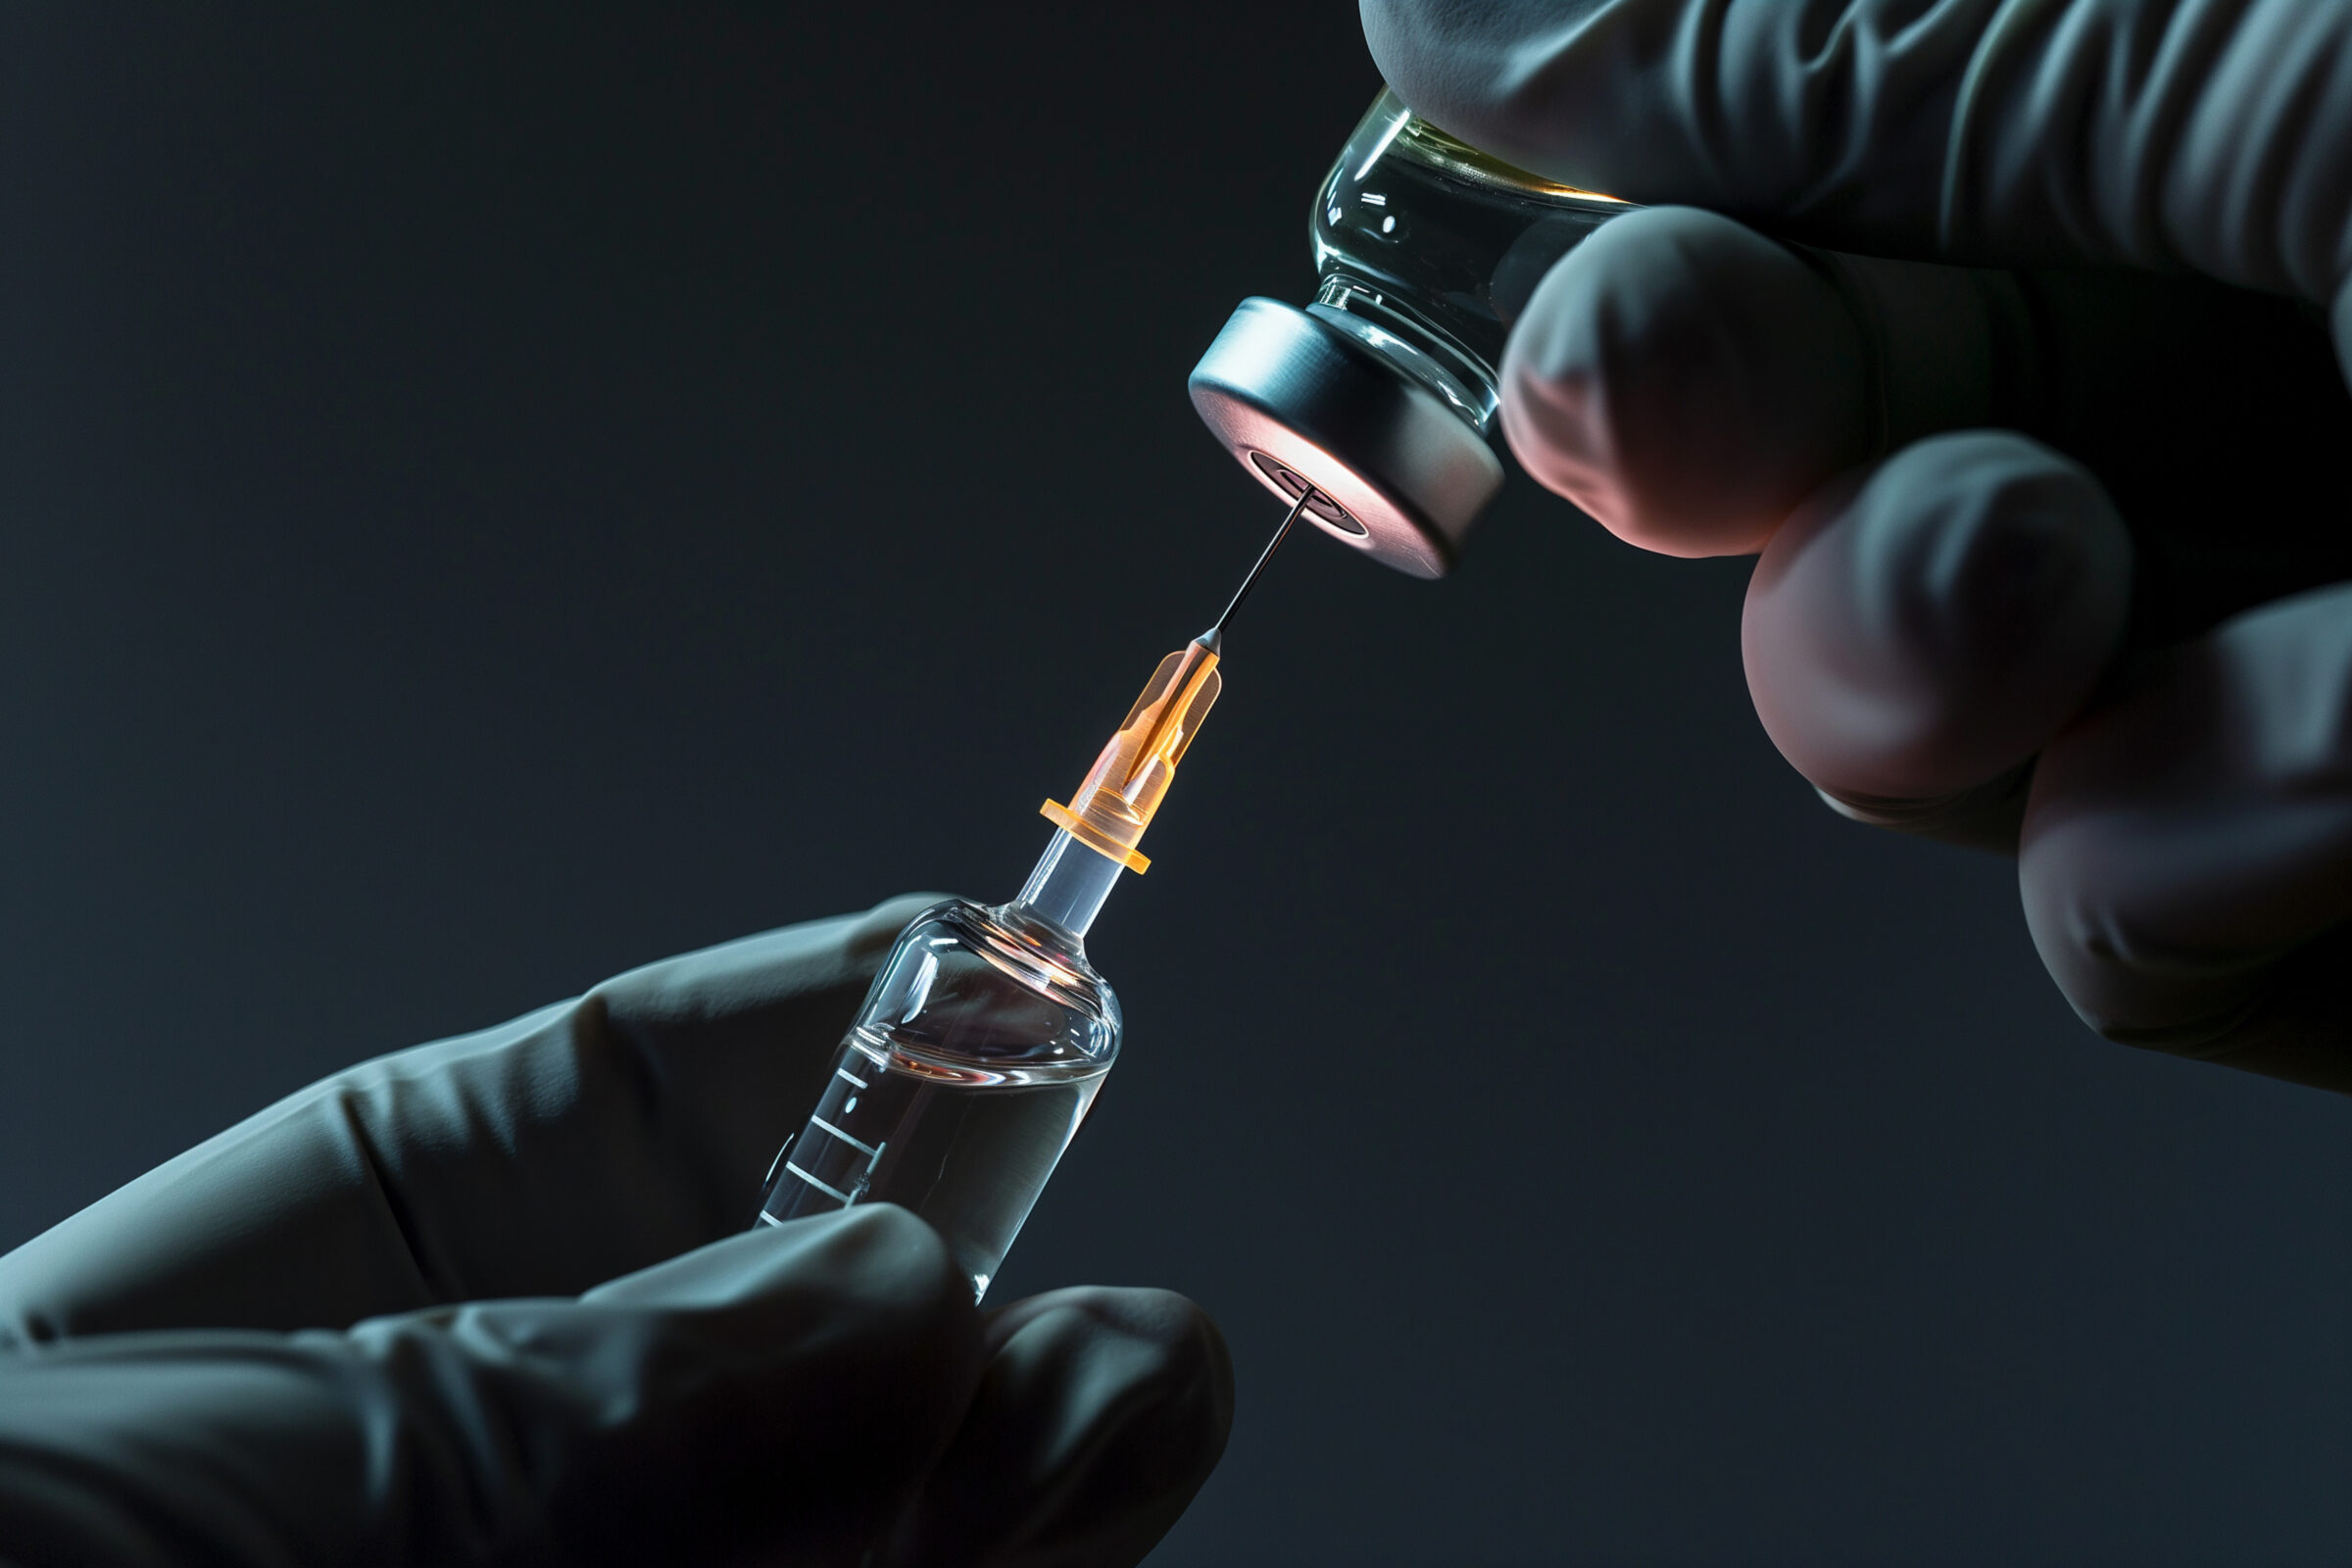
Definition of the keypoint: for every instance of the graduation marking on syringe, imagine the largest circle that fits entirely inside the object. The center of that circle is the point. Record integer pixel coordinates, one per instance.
(859, 1144)
(828, 1191)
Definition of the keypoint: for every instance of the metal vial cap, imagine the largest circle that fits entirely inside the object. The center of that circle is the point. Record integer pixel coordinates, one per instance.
(1299, 402)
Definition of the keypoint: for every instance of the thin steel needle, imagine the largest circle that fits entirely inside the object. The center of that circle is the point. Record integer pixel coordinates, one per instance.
(1213, 637)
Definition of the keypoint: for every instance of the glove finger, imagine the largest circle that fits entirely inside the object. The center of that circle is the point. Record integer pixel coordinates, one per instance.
(1916, 633)
(776, 1397)
(2218, 137)
(1688, 381)
(1671, 328)
(1099, 1416)
(2186, 862)
(573, 1144)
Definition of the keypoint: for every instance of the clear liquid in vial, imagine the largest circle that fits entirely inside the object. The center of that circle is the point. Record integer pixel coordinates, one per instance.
(966, 1146)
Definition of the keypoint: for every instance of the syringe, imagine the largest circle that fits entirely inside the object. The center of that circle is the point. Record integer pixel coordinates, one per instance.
(986, 1035)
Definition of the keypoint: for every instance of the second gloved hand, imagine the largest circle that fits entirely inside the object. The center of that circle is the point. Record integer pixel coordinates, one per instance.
(492, 1300)
(2004, 334)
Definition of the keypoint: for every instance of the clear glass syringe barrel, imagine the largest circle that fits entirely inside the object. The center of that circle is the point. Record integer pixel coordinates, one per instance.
(987, 1033)
(978, 1051)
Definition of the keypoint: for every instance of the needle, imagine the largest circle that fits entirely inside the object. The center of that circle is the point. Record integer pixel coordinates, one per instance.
(1212, 638)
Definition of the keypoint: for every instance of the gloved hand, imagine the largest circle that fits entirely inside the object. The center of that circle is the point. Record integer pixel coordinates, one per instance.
(2047, 471)
(494, 1300)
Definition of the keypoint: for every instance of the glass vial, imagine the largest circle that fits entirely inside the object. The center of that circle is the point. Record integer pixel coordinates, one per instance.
(978, 1051)
(1427, 249)
(1382, 394)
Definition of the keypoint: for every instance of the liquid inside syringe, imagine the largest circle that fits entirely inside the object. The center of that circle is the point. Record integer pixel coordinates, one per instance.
(968, 1151)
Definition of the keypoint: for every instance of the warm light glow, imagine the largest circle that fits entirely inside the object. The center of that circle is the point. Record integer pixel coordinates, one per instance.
(1118, 797)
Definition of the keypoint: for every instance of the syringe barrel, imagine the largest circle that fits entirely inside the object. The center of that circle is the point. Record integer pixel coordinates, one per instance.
(979, 1049)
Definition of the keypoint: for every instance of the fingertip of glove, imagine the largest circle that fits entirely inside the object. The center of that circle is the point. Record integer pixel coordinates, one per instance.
(896, 1256)
(1466, 69)
(1179, 1341)
(766, 968)
(783, 1389)
(1406, 38)
(877, 1263)
(1101, 1414)
(2186, 843)
(1686, 382)
(1916, 632)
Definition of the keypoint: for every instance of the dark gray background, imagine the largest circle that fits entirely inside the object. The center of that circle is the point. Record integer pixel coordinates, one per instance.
(493, 501)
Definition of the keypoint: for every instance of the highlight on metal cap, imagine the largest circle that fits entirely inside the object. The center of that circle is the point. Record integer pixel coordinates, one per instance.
(1304, 405)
